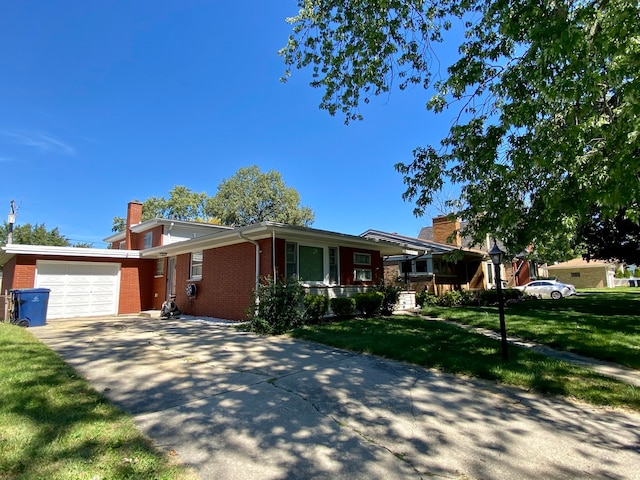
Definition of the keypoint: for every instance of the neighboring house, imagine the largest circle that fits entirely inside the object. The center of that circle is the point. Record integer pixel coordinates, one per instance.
(213, 270)
(519, 271)
(583, 274)
(434, 266)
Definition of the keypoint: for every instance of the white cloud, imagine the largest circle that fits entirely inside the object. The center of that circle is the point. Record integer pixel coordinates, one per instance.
(41, 141)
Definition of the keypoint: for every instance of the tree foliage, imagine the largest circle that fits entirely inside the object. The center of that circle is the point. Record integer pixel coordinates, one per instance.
(546, 97)
(251, 196)
(616, 238)
(37, 234)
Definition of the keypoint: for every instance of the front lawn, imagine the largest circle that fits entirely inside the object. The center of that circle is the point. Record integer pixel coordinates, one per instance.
(599, 324)
(53, 425)
(455, 350)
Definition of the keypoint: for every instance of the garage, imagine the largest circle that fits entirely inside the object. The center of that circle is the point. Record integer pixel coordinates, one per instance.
(79, 289)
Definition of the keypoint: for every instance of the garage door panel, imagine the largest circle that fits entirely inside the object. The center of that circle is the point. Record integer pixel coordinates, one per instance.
(79, 289)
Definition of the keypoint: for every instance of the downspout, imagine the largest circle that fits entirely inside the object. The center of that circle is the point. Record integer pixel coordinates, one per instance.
(241, 235)
(273, 253)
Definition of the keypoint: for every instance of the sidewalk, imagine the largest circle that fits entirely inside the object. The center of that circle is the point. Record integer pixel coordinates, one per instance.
(609, 369)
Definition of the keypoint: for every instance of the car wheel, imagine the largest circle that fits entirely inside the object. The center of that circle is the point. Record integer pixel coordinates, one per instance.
(556, 295)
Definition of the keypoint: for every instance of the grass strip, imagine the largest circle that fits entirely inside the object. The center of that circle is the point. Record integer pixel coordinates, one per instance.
(455, 350)
(602, 325)
(53, 425)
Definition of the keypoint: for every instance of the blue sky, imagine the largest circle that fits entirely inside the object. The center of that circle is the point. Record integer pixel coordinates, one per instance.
(103, 102)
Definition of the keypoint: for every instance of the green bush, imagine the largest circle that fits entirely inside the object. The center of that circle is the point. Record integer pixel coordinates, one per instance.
(279, 306)
(343, 307)
(391, 295)
(490, 297)
(369, 303)
(426, 299)
(315, 307)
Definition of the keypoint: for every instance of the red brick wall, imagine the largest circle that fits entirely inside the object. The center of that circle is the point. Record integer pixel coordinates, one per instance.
(137, 239)
(228, 281)
(134, 217)
(347, 266)
(136, 278)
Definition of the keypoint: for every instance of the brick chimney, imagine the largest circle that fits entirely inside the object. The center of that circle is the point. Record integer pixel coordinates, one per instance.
(134, 217)
(444, 229)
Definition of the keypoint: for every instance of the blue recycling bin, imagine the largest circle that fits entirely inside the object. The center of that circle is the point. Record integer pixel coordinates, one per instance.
(32, 304)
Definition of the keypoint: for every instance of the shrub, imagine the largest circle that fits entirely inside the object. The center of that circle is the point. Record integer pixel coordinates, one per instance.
(343, 307)
(426, 299)
(278, 308)
(391, 295)
(369, 303)
(490, 297)
(315, 307)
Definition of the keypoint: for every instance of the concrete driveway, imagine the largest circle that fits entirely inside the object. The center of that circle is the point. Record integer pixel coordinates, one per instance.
(238, 406)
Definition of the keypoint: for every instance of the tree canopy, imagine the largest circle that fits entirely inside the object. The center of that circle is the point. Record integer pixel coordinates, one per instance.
(249, 196)
(545, 95)
(37, 234)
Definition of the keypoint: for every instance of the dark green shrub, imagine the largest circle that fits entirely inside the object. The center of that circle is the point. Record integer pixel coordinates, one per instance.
(279, 306)
(343, 307)
(315, 307)
(426, 299)
(369, 303)
(490, 297)
(391, 296)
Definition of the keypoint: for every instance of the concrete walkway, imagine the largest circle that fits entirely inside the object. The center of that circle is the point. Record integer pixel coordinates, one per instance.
(238, 406)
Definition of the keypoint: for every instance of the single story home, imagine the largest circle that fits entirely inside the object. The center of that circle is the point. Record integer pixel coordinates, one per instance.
(584, 274)
(213, 270)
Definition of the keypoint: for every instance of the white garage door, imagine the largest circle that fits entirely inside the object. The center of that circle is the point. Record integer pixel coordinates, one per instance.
(79, 289)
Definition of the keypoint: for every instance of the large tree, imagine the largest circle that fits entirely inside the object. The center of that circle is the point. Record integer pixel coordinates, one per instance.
(545, 97)
(182, 204)
(37, 234)
(251, 196)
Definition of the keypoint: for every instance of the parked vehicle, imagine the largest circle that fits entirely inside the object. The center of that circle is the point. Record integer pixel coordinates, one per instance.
(548, 289)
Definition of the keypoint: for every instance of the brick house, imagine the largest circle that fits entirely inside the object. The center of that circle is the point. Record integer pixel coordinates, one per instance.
(213, 270)
(584, 274)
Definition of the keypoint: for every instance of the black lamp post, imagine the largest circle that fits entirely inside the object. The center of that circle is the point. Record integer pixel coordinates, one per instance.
(496, 258)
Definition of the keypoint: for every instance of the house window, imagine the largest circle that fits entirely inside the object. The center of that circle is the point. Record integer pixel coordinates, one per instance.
(362, 258)
(159, 267)
(421, 266)
(333, 266)
(312, 263)
(148, 240)
(122, 245)
(362, 274)
(292, 260)
(442, 267)
(196, 265)
(575, 274)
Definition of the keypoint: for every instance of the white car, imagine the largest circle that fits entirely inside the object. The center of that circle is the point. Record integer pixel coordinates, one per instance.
(548, 289)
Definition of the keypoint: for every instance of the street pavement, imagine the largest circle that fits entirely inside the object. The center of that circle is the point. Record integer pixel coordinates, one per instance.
(234, 405)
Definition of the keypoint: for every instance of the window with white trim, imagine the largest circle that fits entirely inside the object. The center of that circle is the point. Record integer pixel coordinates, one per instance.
(312, 264)
(159, 267)
(362, 275)
(148, 239)
(123, 245)
(362, 258)
(196, 265)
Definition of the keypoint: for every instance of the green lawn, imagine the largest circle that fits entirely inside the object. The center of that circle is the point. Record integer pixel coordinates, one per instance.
(53, 425)
(453, 349)
(598, 324)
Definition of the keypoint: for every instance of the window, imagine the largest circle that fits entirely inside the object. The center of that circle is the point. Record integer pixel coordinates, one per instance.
(160, 267)
(362, 258)
(333, 266)
(122, 245)
(148, 240)
(292, 260)
(362, 274)
(575, 274)
(196, 265)
(490, 268)
(312, 263)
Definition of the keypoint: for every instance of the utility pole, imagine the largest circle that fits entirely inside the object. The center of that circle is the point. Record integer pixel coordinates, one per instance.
(12, 220)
